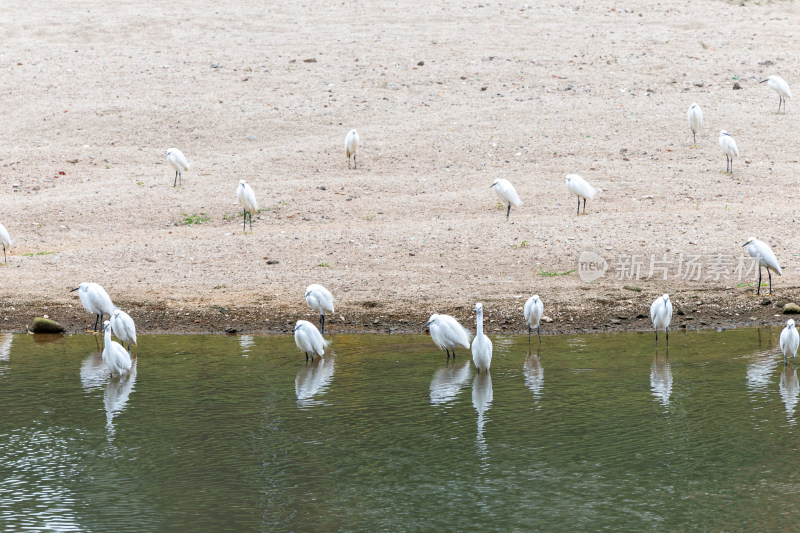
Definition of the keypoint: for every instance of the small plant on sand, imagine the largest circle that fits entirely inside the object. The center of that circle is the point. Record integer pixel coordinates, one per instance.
(324, 265)
(554, 274)
(188, 220)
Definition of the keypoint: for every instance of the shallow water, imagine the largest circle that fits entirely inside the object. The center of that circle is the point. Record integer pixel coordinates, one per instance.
(239, 434)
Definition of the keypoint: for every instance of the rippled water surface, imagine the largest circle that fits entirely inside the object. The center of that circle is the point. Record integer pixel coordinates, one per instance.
(238, 434)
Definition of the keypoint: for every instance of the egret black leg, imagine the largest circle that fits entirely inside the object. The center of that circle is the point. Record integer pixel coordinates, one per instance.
(584, 205)
(770, 280)
(448, 353)
(102, 326)
(174, 183)
(355, 163)
(666, 332)
(758, 290)
(307, 357)
(96, 318)
(529, 333)
(454, 352)
(539, 333)
(348, 161)
(656, 337)
(509, 210)
(244, 220)
(694, 136)
(4, 254)
(322, 323)
(251, 221)
(579, 205)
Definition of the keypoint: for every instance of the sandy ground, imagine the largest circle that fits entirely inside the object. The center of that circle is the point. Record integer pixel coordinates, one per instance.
(446, 96)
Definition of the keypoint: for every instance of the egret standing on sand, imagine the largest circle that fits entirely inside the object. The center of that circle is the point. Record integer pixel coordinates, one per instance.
(320, 300)
(507, 194)
(728, 145)
(178, 162)
(779, 85)
(308, 338)
(95, 300)
(481, 345)
(763, 254)
(447, 333)
(115, 356)
(5, 239)
(790, 340)
(533, 314)
(580, 187)
(695, 116)
(123, 327)
(247, 198)
(661, 315)
(351, 147)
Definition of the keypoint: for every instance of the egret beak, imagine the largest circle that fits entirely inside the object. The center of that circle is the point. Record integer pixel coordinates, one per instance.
(296, 328)
(492, 185)
(309, 292)
(745, 244)
(75, 289)
(762, 81)
(426, 325)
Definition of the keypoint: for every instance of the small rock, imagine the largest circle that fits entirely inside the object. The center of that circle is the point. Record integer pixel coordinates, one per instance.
(45, 325)
(736, 86)
(272, 261)
(231, 331)
(640, 315)
(703, 323)
(698, 84)
(766, 63)
(547, 319)
(310, 60)
(780, 303)
(681, 312)
(421, 64)
(632, 288)
(766, 301)
(791, 309)
(615, 322)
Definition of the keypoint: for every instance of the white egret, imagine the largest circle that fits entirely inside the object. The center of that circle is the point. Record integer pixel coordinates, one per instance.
(123, 327)
(178, 162)
(779, 85)
(447, 382)
(507, 194)
(308, 338)
(5, 239)
(790, 340)
(661, 315)
(115, 356)
(320, 300)
(447, 333)
(728, 145)
(481, 345)
(351, 147)
(790, 390)
(580, 187)
(763, 254)
(533, 314)
(95, 300)
(249, 203)
(695, 116)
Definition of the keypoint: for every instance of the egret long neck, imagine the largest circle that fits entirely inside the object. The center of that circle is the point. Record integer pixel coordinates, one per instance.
(479, 322)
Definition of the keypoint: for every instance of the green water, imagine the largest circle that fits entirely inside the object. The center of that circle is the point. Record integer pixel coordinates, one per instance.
(238, 434)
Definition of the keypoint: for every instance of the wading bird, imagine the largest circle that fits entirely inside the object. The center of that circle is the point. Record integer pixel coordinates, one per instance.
(580, 187)
(351, 147)
(481, 345)
(447, 333)
(5, 239)
(661, 315)
(728, 145)
(123, 327)
(507, 194)
(533, 314)
(763, 254)
(115, 356)
(249, 203)
(95, 300)
(779, 85)
(695, 116)
(790, 340)
(320, 300)
(179, 163)
(308, 338)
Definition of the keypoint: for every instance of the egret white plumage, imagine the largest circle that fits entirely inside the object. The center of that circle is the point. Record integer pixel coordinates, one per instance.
(178, 162)
(115, 356)
(729, 148)
(351, 147)
(763, 254)
(481, 345)
(95, 300)
(789, 342)
(249, 203)
(533, 311)
(507, 194)
(779, 85)
(320, 300)
(123, 327)
(580, 187)
(695, 116)
(308, 338)
(661, 315)
(5, 239)
(447, 333)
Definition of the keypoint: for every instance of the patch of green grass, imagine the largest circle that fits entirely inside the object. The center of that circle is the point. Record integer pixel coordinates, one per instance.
(37, 253)
(523, 244)
(139, 183)
(751, 284)
(229, 216)
(188, 220)
(369, 216)
(324, 265)
(554, 274)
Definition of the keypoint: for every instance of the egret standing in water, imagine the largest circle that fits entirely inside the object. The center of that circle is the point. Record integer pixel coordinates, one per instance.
(95, 300)
(351, 147)
(661, 315)
(533, 314)
(728, 145)
(578, 186)
(481, 345)
(249, 203)
(123, 327)
(695, 116)
(507, 194)
(447, 333)
(115, 356)
(308, 338)
(178, 162)
(5, 239)
(320, 300)
(763, 254)
(779, 85)
(790, 340)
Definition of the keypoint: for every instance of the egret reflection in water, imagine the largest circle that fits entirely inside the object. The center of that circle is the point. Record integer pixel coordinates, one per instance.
(759, 372)
(94, 371)
(661, 379)
(790, 390)
(245, 343)
(5, 347)
(534, 374)
(447, 382)
(116, 396)
(313, 380)
(481, 400)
